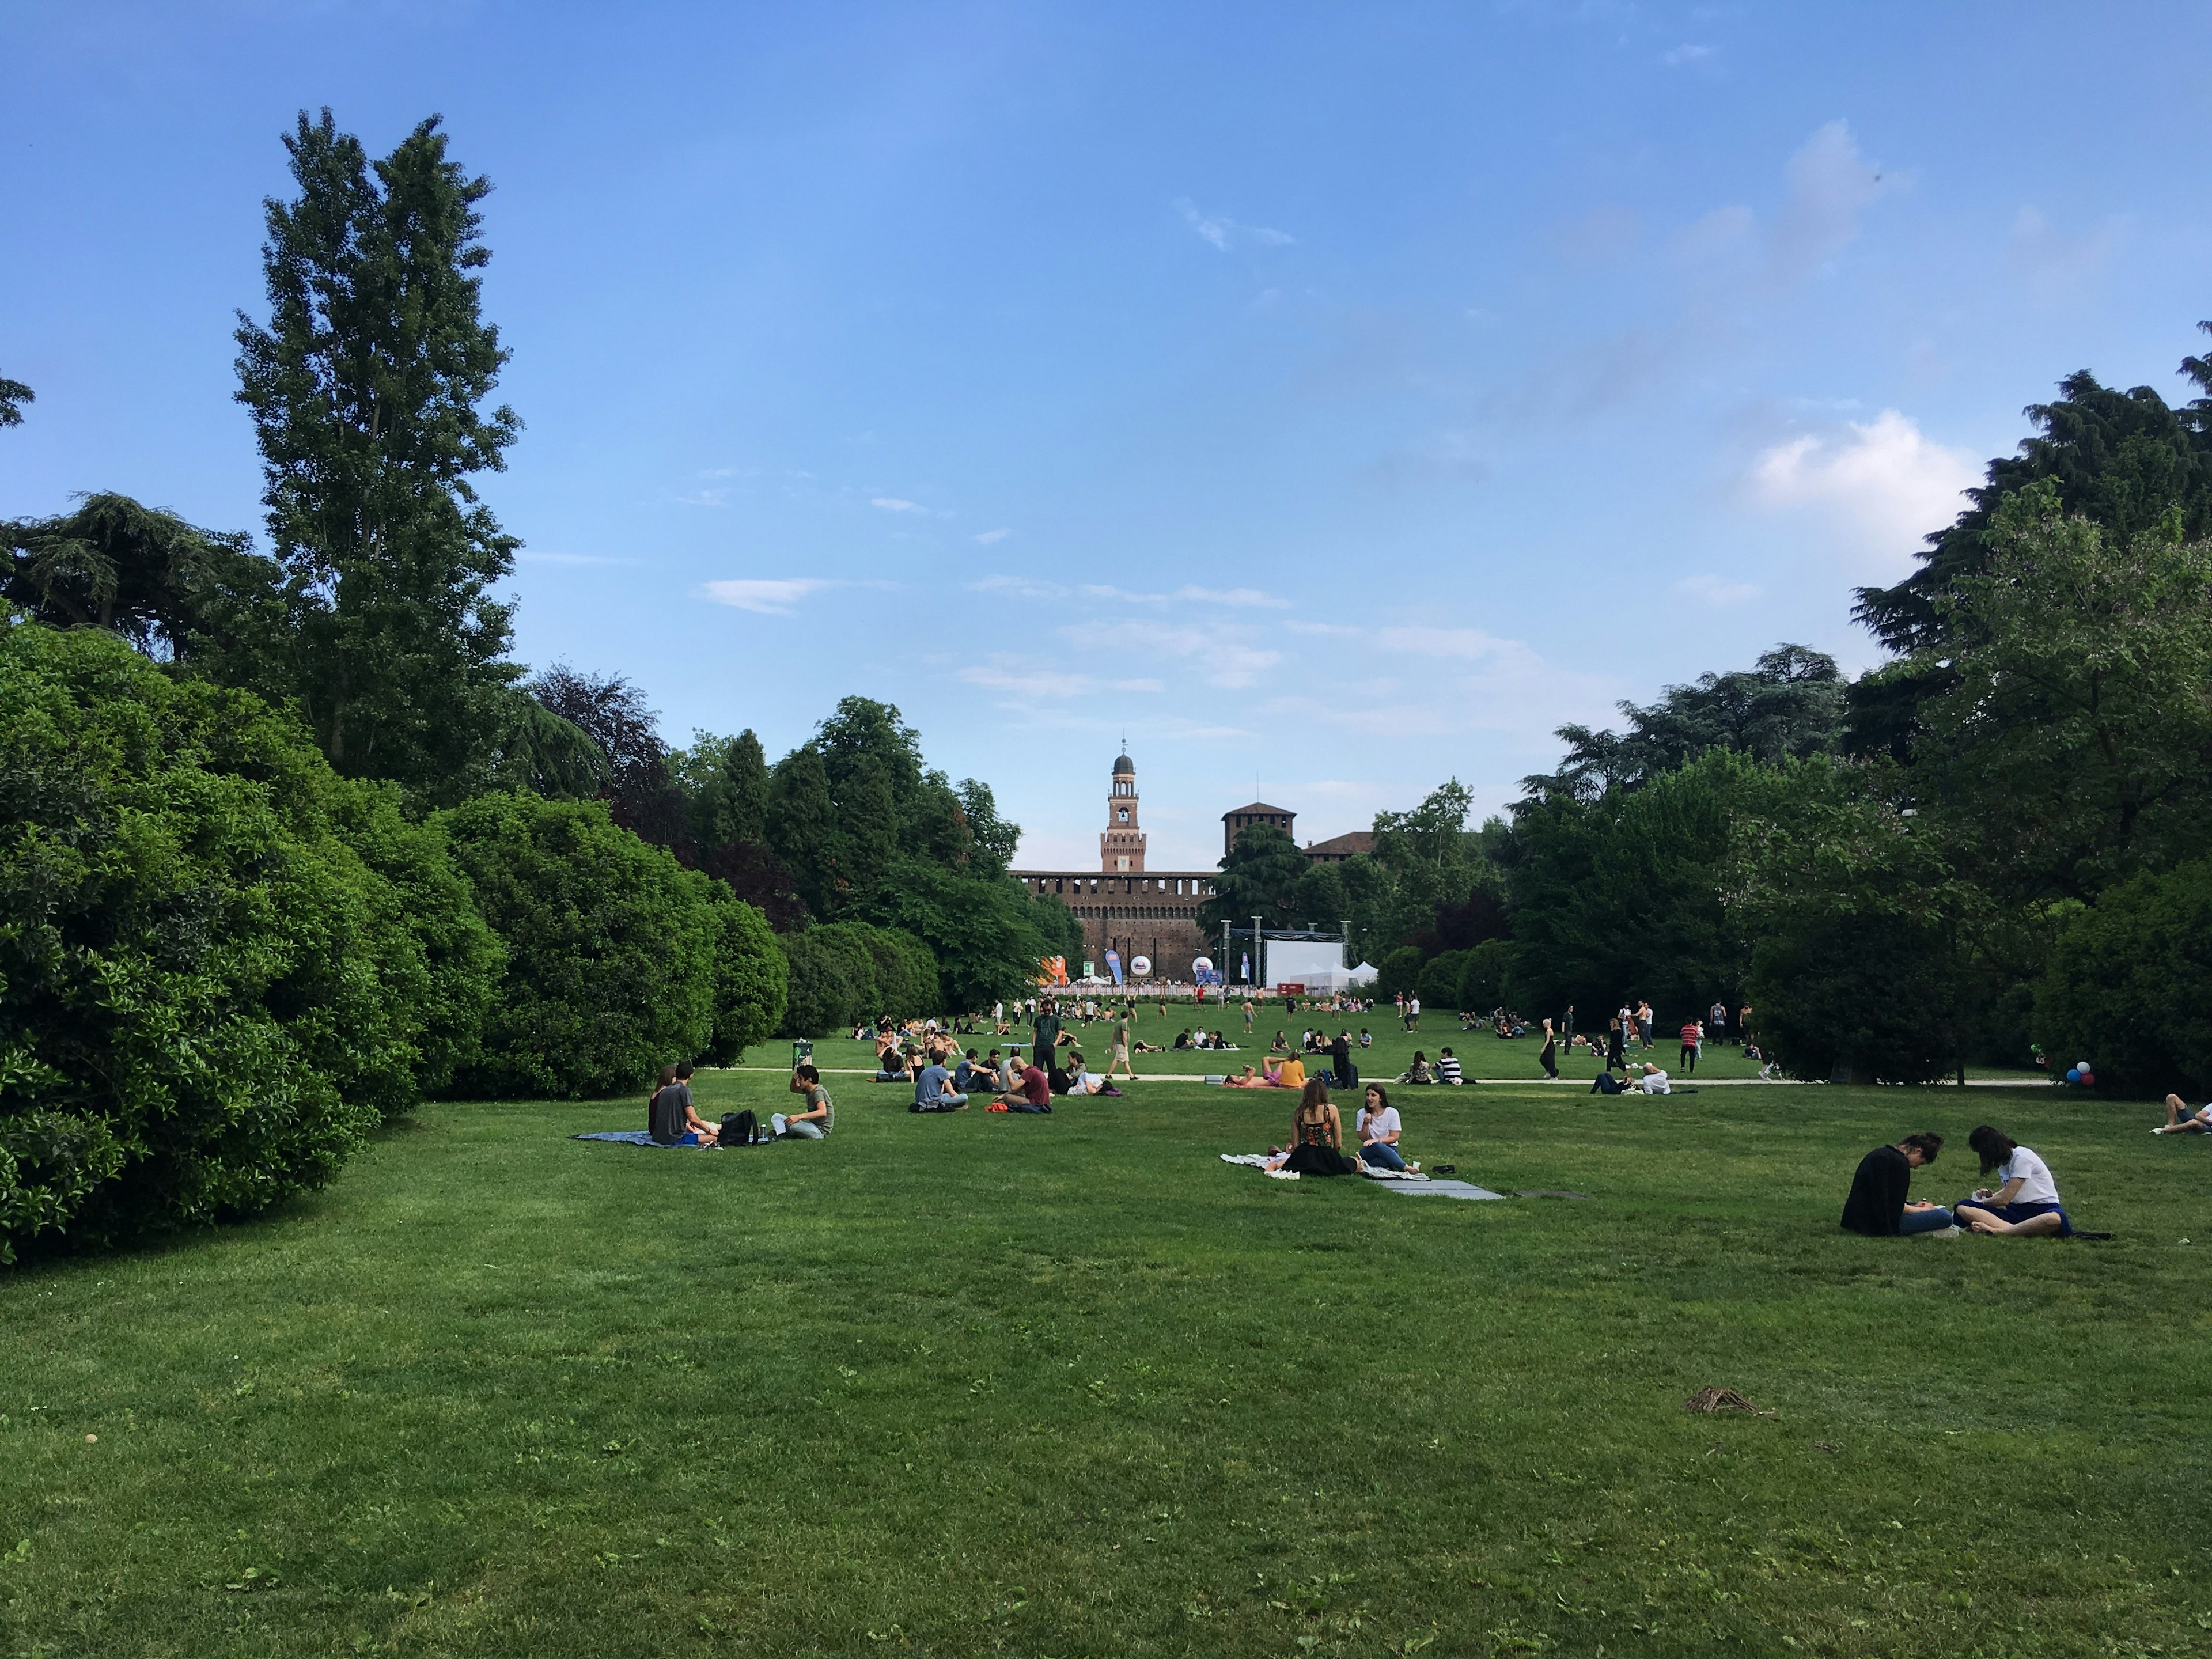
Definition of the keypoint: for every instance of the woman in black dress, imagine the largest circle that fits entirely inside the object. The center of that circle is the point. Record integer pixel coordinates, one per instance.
(1317, 1136)
(1549, 1058)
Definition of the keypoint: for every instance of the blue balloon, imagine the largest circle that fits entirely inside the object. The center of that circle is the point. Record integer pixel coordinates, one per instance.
(2073, 1073)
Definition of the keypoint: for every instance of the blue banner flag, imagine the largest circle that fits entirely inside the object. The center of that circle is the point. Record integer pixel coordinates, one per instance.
(1114, 965)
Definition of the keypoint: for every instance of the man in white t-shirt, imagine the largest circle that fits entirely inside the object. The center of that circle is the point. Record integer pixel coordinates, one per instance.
(2182, 1120)
(1412, 1013)
(1655, 1081)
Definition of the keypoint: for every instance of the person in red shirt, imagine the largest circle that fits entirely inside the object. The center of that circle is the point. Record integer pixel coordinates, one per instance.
(1694, 1042)
(1035, 1094)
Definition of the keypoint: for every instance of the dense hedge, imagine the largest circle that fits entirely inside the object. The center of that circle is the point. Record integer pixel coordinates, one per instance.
(219, 961)
(2130, 987)
(846, 971)
(752, 978)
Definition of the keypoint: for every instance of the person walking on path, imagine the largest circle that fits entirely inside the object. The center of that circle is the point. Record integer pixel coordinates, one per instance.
(1694, 1042)
(1120, 1053)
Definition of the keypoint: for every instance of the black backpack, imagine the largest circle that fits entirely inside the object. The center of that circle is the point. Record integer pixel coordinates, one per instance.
(739, 1129)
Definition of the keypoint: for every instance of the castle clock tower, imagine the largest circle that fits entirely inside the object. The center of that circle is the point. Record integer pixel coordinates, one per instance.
(1122, 847)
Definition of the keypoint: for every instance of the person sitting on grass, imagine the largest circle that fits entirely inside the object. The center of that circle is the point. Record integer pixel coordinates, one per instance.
(1366, 1037)
(1281, 1045)
(2025, 1203)
(934, 1092)
(1448, 1068)
(1379, 1129)
(1418, 1070)
(669, 1117)
(1182, 1040)
(972, 1076)
(817, 1119)
(1877, 1206)
(1293, 1074)
(2181, 1121)
(1032, 1092)
(1316, 1138)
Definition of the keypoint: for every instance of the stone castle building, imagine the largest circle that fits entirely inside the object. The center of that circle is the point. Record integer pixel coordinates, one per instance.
(1153, 913)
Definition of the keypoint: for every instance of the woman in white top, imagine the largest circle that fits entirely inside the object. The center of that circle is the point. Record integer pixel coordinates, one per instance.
(1379, 1129)
(2025, 1199)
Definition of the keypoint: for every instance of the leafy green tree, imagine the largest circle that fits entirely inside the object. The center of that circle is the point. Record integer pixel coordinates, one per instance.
(986, 937)
(1438, 981)
(2075, 747)
(219, 962)
(170, 588)
(1789, 703)
(1864, 969)
(1486, 982)
(14, 394)
(1400, 970)
(2129, 986)
(612, 948)
(804, 831)
(1263, 875)
(1622, 895)
(367, 388)
(726, 780)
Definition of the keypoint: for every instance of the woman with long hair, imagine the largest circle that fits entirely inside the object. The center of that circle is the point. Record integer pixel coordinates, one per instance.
(1317, 1137)
(2024, 1202)
(1379, 1129)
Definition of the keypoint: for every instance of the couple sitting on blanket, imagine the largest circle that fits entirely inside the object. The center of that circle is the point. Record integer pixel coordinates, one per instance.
(1316, 1146)
(673, 1121)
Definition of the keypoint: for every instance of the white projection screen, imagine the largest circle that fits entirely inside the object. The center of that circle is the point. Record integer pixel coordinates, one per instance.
(1303, 962)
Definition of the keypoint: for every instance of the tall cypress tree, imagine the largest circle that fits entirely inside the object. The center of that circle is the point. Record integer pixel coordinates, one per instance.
(367, 387)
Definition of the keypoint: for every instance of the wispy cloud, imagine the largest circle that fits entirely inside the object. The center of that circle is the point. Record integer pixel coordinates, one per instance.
(894, 504)
(1884, 482)
(1688, 53)
(1031, 587)
(1227, 654)
(1022, 676)
(991, 538)
(715, 497)
(1711, 590)
(1830, 187)
(769, 596)
(1223, 232)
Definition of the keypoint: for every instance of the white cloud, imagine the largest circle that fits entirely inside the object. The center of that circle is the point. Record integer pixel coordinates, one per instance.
(1030, 587)
(893, 504)
(1227, 655)
(1886, 481)
(1022, 676)
(1831, 183)
(1022, 587)
(769, 596)
(706, 498)
(988, 538)
(1221, 231)
(1711, 590)
(1688, 53)
(1471, 644)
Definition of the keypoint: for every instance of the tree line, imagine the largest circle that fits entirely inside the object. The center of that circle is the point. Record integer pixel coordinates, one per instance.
(1997, 841)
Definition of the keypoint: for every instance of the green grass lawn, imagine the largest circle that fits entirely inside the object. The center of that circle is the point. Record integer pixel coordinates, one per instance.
(1072, 1386)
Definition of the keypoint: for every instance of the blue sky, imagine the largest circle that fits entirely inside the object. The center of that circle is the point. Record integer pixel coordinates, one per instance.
(1337, 399)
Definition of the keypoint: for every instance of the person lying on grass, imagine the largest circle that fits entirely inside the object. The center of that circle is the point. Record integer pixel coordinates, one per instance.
(669, 1117)
(1082, 1080)
(1379, 1129)
(2026, 1203)
(1652, 1079)
(1316, 1146)
(816, 1120)
(2181, 1121)
(1877, 1206)
(934, 1090)
(1032, 1094)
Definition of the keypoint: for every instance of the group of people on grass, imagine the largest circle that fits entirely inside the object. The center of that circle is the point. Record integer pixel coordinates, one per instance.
(2024, 1203)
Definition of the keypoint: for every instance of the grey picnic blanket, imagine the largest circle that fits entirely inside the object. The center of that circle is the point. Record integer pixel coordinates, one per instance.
(1441, 1189)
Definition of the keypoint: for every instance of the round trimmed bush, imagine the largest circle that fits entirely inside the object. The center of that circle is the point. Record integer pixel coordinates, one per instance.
(610, 948)
(207, 994)
(752, 978)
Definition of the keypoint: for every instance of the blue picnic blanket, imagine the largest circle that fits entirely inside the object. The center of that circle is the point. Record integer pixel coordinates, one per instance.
(636, 1137)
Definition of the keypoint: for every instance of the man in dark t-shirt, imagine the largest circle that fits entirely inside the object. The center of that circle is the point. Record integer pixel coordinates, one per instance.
(1046, 1033)
(1878, 1205)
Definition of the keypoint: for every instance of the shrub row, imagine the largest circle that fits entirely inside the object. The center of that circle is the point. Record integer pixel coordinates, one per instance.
(220, 964)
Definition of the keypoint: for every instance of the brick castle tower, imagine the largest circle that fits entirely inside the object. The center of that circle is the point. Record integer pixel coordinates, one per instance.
(1122, 846)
